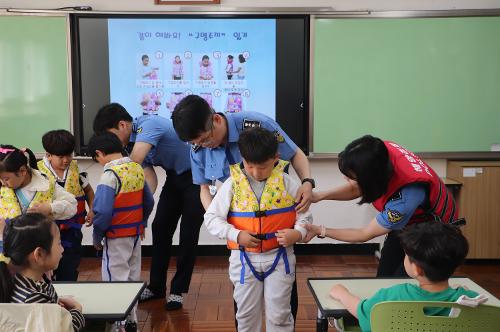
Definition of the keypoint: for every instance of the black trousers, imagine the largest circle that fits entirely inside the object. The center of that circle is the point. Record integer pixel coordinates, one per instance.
(179, 197)
(67, 270)
(392, 257)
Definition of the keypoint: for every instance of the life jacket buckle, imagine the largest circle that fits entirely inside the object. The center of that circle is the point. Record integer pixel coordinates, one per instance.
(260, 214)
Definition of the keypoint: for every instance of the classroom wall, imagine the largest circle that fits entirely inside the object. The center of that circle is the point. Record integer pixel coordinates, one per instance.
(331, 214)
(344, 5)
(325, 171)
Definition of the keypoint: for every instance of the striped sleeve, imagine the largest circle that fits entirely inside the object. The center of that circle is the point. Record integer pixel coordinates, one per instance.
(78, 319)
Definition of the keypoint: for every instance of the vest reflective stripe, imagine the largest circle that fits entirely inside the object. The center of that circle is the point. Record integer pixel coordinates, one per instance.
(408, 168)
(71, 185)
(127, 217)
(9, 204)
(276, 210)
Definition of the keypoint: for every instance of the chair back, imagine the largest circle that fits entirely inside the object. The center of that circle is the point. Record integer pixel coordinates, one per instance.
(40, 317)
(409, 316)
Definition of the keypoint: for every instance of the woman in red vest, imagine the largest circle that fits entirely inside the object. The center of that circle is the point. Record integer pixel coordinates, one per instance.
(400, 186)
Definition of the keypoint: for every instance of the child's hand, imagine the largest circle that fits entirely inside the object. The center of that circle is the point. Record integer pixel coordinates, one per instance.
(287, 237)
(98, 246)
(143, 235)
(314, 229)
(246, 239)
(69, 303)
(43, 208)
(89, 219)
(338, 291)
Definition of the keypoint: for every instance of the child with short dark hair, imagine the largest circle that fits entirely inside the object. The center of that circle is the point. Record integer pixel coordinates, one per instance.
(58, 164)
(122, 205)
(433, 252)
(32, 245)
(255, 211)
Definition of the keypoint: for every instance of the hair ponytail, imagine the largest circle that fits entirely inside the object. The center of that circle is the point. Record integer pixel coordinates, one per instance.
(31, 159)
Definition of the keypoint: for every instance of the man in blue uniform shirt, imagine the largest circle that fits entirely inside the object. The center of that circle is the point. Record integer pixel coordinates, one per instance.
(157, 144)
(215, 146)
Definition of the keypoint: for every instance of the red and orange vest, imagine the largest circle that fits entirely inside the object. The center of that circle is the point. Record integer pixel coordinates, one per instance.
(127, 217)
(275, 211)
(408, 168)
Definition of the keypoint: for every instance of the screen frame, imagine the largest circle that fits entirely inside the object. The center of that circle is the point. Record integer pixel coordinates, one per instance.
(301, 139)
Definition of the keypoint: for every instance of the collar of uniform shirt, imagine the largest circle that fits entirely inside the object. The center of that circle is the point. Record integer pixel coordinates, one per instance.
(232, 130)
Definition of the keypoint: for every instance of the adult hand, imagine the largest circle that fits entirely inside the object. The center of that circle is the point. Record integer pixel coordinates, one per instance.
(304, 197)
(314, 230)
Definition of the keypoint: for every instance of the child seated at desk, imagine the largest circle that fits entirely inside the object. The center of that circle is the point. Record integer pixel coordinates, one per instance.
(433, 250)
(32, 248)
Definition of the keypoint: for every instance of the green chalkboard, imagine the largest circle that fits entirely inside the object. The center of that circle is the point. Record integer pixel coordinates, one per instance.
(430, 84)
(33, 78)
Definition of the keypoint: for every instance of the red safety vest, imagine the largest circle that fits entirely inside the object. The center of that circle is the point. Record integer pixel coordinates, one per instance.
(408, 168)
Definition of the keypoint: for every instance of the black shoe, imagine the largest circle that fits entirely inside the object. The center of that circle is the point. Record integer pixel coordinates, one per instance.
(130, 326)
(147, 295)
(174, 302)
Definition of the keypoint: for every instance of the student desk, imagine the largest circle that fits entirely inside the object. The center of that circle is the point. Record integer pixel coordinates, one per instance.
(364, 288)
(105, 301)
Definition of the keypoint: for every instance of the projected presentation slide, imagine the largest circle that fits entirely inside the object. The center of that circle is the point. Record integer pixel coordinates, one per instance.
(155, 63)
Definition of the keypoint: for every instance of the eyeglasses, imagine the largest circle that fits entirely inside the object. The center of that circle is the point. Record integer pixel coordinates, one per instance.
(207, 138)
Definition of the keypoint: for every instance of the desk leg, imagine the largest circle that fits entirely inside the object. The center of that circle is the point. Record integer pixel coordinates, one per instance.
(321, 323)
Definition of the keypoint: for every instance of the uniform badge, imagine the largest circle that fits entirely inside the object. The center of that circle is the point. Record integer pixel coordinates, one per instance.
(195, 147)
(278, 136)
(139, 130)
(396, 196)
(250, 124)
(212, 187)
(394, 216)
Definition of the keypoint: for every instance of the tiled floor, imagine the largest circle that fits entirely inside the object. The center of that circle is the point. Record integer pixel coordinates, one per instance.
(209, 306)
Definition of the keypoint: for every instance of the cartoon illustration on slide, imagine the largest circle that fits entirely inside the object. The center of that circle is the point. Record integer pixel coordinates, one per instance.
(234, 103)
(150, 103)
(175, 98)
(208, 97)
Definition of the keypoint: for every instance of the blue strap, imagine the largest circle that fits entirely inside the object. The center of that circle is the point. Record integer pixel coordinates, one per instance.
(262, 275)
(259, 213)
(127, 208)
(23, 201)
(130, 225)
(72, 222)
(107, 259)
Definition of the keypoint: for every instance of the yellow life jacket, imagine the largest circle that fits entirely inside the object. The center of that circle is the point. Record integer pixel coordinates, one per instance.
(71, 185)
(128, 207)
(10, 206)
(275, 211)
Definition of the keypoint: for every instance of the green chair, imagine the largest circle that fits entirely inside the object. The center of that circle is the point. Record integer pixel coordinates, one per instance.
(409, 316)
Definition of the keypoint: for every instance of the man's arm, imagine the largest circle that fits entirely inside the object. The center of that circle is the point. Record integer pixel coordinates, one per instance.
(139, 153)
